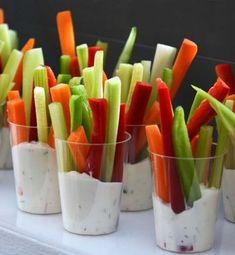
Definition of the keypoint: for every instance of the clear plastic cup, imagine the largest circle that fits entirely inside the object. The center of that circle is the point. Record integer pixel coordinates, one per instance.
(90, 192)
(137, 178)
(35, 171)
(190, 228)
(5, 147)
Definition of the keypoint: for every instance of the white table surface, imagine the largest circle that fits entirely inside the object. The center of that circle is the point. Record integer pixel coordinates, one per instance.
(135, 234)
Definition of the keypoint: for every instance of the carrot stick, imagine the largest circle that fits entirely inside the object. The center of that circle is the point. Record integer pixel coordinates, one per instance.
(104, 79)
(231, 97)
(154, 138)
(18, 76)
(13, 94)
(185, 56)
(78, 145)
(51, 77)
(1, 16)
(51, 140)
(66, 33)
(16, 115)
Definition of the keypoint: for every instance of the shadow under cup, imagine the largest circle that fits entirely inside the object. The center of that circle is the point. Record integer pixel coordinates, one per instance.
(186, 205)
(90, 181)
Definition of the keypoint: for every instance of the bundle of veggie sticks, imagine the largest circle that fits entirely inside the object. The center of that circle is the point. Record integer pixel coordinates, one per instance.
(187, 146)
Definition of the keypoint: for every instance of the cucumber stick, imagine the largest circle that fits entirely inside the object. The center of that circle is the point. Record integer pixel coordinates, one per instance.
(127, 50)
(97, 89)
(41, 114)
(65, 64)
(5, 87)
(89, 79)
(82, 54)
(75, 106)
(5, 37)
(32, 59)
(147, 69)
(112, 94)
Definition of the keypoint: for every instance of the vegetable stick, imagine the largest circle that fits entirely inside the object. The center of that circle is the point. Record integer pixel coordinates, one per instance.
(127, 50)
(78, 145)
(32, 59)
(75, 81)
(5, 37)
(184, 160)
(120, 147)
(5, 87)
(63, 78)
(65, 64)
(50, 77)
(225, 72)
(204, 113)
(137, 75)
(166, 122)
(82, 54)
(74, 67)
(146, 70)
(91, 54)
(16, 115)
(13, 94)
(104, 46)
(231, 97)
(51, 140)
(184, 59)
(97, 90)
(14, 39)
(1, 16)
(112, 93)
(41, 114)
(1, 49)
(66, 33)
(167, 77)
(89, 79)
(75, 105)
(61, 93)
(125, 73)
(196, 103)
(33, 134)
(156, 146)
(194, 142)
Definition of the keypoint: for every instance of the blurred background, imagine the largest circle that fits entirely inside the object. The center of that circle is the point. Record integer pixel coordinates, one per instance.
(209, 23)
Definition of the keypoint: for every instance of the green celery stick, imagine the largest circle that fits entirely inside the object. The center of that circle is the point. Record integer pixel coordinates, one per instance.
(137, 75)
(104, 46)
(65, 162)
(32, 59)
(65, 64)
(14, 39)
(89, 79)
(12, 64)
(97, 89)
(5, 37)
(167, 77)
(41, 114)
(146, 71)
(1, 47)
(127, 50)
(63, 78)
(196, 102)
(202, 150)
(82, 54)
(184, 158)
(5, 87)
(164, 57)
(125, 73)
(75, 105)
(75, 81)
(112, 94)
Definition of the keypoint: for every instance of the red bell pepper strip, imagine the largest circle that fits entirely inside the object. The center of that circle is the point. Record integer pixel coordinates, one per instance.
(225, 72)
(99, 108)
(194, 142)
(120, 148)
(166, 122)
(91, 55)
(74, 67)
(33, 134)
(204, 113)
(51, 77)
(135, 116)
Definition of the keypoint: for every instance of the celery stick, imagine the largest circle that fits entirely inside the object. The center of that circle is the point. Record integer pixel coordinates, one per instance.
(63, 78)
(167, 77)
(127, 50)
(65, 64)
(4, 87)
(202, 150)
(75, 105)
(12, 64)
(125, 73)
(32, 59)
(112, 94)
(1, 47)
(137, 75)
(41, 114)
(146, 72)
(82, 54)
(89, 80)
(97, 89)
(104, 46)
(75, 81)
(65, 162)
(14, 39)
(5, 37)
(164, 57)
(196, 102)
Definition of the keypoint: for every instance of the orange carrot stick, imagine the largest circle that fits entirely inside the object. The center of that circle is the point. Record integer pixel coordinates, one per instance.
(19, 73)
(66, 33)
(79, 151)
(16, 115)
(61, 93)
(154, 138)
(13, 94)
(231, 97)
(51, 141)
(1, 16)
(187, 53)
(104, 79)
(51, 77)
